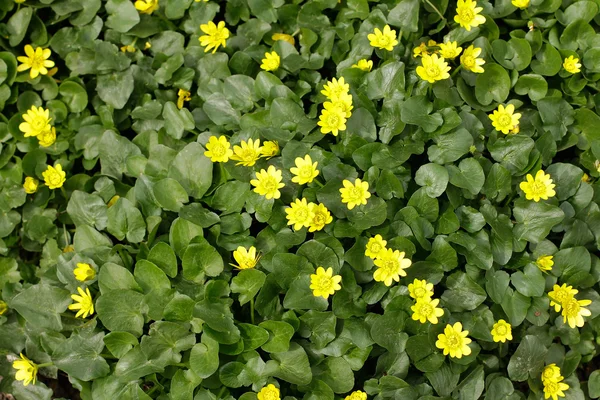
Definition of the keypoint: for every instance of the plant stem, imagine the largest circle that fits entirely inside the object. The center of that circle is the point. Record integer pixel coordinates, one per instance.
(221, 392)
(45, 364)
(252, 310)
(456, 71)
(108, 356)
(124, 258)
(435, 9)
(318, 182)
(64, 192)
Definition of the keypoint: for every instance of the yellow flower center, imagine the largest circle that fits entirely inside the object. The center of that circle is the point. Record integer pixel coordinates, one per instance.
(538, 188)
(571, 308)
(375, 248)
(501, 330)
(548, 373)
(356, 193)
(270, 395)
(219, 150)
(333, 119)
(466, 15)
(38, 123)
(469, 61)
(55, 179)
(301, 214)
(319, 219)
(37, 61)
(453, 340)
(247, 154)
(426, 309)
(550, 386)
(305, 172)
(270, 184)
(219, 35)
(433, 71)
(505, 120)
(390, 266)
(420, 292)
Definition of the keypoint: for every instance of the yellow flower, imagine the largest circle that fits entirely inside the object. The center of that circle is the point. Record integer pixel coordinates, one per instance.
(454, 341)
(47, 137)
(539, 188)
(375, 247)
(551, 373)
(3, 307)
(35, 60)
(19, 1)
(216, 35)
(420, 50)
(522, 4)
(545, 263)
(183, 96)
(54, 177)
(390, 266)
(572, 65)
(146, 6)
(420, 289)
(573, 311)
(560, 294)
(364, 65)
(113, 201)
(268, 183)
(555, 389)
(70, 248)
(450, 50)
(332, 119)
(270, 149)
(30, 185)
(425, 309)
(504, 119)
(586, 178)
(128, 48)
(305, 170)
(269, 392)
(299, 214)
(245, 259)
(217, 149)
(433, 68)
(248, 153)
(383, 40)
(344, 102)
(147, 46)
(84, 272)
(321, 217)
(356, 194)
(357, 395)
(26, 370)
(335, 89)
(501, 331)
(467, 14)
(83, 303)
(271, 61)
(470, 61)
(285, 37)
(324, 283)
(37, 120)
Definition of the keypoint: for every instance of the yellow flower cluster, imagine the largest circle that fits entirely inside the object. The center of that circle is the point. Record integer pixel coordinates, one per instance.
(425, 307)
(573, 311)
(552, 380)
(390, 264)
(36, 122)
(338, 109)
(54, 177)
(302, 214)
(218, 149)
(434, 55)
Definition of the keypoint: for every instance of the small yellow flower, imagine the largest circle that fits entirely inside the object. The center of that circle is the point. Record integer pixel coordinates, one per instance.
(268, 183)
(305, 170)
(357, 395)
(324, 283)
(522, 4)
(383, 40)
(285, 37)
(245, 259)
(128, 49)
(332, 119)
(420, 289)
(36, 120)
(248, 153)
(470, 61)
(467, 14)
(504, 119)
(539, 188)
(433, 68)
(355, 194)
(573, 311)
(183, 96)
(19, 1)
(113, 201)
(47, 137)
(425, 309)
(299, 214)
(586, 178)
(545, 263)
(271, 61)
(375, 247)
(36, 61)
(454, 341)
(83, 303)
(84, 272)
(26, 370)
(3, 307)
(270, 149)
(501, 331)
(218, 149)
(572, 65)
(147, 46)
(30, 185)
(321, 217)
(198, 1)
(364, 65)
(551, 373)
(54, 177)
(390, 266)
(560, 295)
(344, 103)
(216, 35)
(450, 50)
(555, 389)
(421, 50)
(69, 249)
(269, 392)
(146, 6)
(335, 88)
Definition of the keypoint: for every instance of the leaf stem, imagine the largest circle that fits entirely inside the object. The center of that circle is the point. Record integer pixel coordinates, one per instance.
(252, 310)
(45, 364)
(456, 71)
(435, 9)
(124, 258)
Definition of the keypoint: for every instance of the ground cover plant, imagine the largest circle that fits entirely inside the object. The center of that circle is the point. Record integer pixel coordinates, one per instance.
(318, 200)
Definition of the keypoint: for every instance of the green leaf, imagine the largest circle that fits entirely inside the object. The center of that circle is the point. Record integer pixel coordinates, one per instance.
(17, 25)
(528, 360)
(336, 373)
(434, 178)
(280, 334)
(530, 282)
(181, 234)
(463, 293)
(126, 221)
(492, 85)
(247, 283)
(416, 110)
(79, 356)
(121, 310)
(468, 175)
(163, 256)
(115, 88)
(177, 121)
(450, 146)
(405, 15)
(170, 194)
(41, 305)
(122, 15)
(535, 220)
(200, 260)
(119, 343)
(204, 358)
(87, 209)
(113, 277)
(293, 365)
(192, 169)
(594, 384)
